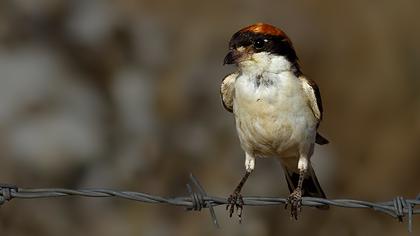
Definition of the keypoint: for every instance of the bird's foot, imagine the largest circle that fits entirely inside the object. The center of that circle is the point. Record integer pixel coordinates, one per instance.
(295, 202)
(235, 200)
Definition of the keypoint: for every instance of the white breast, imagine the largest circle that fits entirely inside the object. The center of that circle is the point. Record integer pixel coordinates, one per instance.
(272, 114)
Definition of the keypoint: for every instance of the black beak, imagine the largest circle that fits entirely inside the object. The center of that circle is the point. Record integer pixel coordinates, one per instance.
(231, 57)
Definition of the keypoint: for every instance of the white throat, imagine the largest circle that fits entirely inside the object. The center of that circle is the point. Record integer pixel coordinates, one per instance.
(264, 62)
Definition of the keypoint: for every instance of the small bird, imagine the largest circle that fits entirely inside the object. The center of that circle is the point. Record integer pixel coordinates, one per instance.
(277, 110)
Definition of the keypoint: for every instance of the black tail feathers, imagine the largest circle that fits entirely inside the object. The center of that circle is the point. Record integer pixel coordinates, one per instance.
(321, 140)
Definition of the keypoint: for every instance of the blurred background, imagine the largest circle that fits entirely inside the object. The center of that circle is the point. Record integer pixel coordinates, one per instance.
(125, 94)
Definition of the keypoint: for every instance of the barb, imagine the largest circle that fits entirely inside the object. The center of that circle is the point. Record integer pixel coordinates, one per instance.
(197, 200)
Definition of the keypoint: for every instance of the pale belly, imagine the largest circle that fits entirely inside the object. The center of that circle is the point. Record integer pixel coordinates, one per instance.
(273, 121)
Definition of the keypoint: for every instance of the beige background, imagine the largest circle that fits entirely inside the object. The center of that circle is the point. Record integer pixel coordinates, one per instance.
(124, 94)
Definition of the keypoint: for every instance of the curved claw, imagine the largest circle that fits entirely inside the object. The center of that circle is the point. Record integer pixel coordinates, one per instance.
(295, 201)
(235, 200)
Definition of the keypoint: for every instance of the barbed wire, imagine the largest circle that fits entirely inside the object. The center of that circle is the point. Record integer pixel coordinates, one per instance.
(198, 199)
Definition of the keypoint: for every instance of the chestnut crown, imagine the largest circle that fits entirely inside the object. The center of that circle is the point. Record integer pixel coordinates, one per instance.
(263, 37)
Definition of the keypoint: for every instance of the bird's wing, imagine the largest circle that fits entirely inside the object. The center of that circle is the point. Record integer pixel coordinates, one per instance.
(227, 91)
(314, 96)
(314, 100)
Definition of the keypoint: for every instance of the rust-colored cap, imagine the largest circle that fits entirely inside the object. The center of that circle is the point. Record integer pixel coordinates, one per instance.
(262, 28)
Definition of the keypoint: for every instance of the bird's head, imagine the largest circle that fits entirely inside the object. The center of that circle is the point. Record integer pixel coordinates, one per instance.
(261, 47)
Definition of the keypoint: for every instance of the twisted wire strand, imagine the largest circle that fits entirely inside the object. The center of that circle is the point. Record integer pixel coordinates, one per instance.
(198, 199)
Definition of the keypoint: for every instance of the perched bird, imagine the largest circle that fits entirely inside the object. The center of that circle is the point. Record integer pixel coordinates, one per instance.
(277, 110)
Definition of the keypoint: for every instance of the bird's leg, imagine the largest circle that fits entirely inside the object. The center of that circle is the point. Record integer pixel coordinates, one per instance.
(235, 199)
(295, 198)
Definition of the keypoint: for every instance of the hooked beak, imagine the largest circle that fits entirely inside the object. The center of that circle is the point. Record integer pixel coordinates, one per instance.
(232, 57)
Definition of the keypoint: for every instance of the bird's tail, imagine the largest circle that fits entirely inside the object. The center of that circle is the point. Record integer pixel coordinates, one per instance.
(310, 186)
(319, 139)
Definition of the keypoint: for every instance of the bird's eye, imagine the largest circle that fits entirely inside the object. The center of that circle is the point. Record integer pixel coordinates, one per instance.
(259, 43)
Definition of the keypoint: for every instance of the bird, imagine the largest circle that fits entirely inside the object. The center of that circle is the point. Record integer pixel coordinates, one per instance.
(277, 110)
